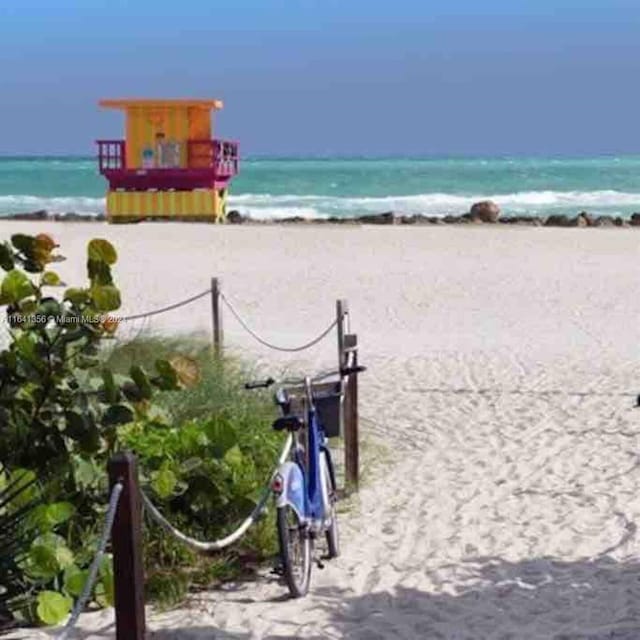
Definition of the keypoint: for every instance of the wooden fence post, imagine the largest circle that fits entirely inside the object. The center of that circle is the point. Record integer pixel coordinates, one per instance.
(216, 313)
(351, 435)
(126, 542)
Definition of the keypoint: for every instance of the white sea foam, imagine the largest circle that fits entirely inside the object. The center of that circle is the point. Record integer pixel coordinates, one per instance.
(264, 205)
(531, 202)
(26, 203)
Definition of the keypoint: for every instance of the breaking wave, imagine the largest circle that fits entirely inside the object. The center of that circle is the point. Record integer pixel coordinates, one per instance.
(259, 205)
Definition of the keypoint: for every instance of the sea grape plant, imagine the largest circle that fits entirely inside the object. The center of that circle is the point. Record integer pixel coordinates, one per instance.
(60, 408)
(55, 405)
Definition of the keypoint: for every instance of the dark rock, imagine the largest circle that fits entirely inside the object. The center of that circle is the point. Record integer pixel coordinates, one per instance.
(533, 221)
(422, 219)
(634, 221)
(294, 220)
(557, 221)
(603, 221)
(408, 220)
(620, 222)
(485, 211)
(30, 215)
(235, 217)
(389, 217)
(72, 216)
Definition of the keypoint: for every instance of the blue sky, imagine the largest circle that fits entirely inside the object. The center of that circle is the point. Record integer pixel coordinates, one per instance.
(331, 77)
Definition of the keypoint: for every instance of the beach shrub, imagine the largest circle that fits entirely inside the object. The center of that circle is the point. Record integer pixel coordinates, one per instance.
(205, 468)
(59, 408)
(70, 397)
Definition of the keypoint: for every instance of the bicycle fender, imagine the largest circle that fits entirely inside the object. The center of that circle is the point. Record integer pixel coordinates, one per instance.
(292, 493)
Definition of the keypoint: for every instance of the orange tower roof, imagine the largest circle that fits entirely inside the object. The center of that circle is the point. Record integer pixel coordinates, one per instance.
(161, 103)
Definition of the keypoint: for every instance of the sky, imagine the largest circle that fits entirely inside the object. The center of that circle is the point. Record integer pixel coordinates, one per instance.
(331, 77)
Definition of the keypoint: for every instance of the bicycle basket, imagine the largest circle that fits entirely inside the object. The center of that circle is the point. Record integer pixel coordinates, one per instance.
(329, 400)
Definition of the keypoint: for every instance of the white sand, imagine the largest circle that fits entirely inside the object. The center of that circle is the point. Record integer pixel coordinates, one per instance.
(511, 508)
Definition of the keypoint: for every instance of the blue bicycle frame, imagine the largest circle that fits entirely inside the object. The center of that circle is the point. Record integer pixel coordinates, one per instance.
(300, 479)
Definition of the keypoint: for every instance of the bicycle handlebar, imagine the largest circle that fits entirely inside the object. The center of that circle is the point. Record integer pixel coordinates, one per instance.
(344, 371)
(264, 384)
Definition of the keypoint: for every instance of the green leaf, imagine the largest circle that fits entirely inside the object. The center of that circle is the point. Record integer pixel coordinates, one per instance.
(111, 391)
(105, 588)
(222, 435)
(48, 516)
(168, 379)
(59, 512)
(49, 308)
(74, 580)
(87, 474)
(16, 286)
(102, 250)
(64, 556)
(117, 414)
(48, 556)
(6, 257)
(26, 346)
(23, 243)
(53, 607)
(51, 279)
(164, 482)
(234, 458)
(142, 381)
(99, 272)
(77, 296)
(105, 297)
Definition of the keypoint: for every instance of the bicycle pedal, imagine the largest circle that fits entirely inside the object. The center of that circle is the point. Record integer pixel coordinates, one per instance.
(320, 564)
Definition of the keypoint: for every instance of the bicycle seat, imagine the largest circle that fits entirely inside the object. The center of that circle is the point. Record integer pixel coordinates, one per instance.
(288, 423)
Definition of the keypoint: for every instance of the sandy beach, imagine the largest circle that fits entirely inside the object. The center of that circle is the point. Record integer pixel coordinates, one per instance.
(503, 367)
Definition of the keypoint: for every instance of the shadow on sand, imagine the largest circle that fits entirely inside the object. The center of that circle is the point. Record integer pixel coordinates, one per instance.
(483, 598)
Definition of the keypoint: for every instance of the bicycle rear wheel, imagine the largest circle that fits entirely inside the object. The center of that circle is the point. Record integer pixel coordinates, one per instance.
(295, 551)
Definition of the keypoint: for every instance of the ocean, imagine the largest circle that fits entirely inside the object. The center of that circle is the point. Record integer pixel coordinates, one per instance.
(321, 187)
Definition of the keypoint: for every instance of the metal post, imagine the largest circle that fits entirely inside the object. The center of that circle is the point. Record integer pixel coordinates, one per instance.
(351, 435)
(216, 312)
(126, 542)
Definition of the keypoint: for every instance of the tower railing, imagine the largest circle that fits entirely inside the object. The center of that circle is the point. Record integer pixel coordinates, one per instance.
(221, 155)
(111, 154)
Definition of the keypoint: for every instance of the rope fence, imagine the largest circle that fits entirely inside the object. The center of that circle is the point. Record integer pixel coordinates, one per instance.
(162, 310)
(217, 545)
(90, 582)
(270, 345)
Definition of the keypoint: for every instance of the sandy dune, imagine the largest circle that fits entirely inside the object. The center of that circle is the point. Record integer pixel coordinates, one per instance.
(503, 367)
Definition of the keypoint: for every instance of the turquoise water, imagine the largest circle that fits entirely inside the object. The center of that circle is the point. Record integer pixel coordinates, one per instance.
(344, 187)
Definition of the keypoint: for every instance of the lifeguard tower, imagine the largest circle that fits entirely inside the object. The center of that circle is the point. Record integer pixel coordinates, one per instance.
(169, 167)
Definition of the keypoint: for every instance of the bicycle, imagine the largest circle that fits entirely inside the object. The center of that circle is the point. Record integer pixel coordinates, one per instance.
(304, 487)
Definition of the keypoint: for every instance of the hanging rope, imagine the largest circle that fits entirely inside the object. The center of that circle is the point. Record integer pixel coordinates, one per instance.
(270, 345)
(90, 582)
(217, 545)
(171, 307)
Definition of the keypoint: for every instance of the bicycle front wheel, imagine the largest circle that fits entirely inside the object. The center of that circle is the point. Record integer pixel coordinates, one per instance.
(295, 551)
